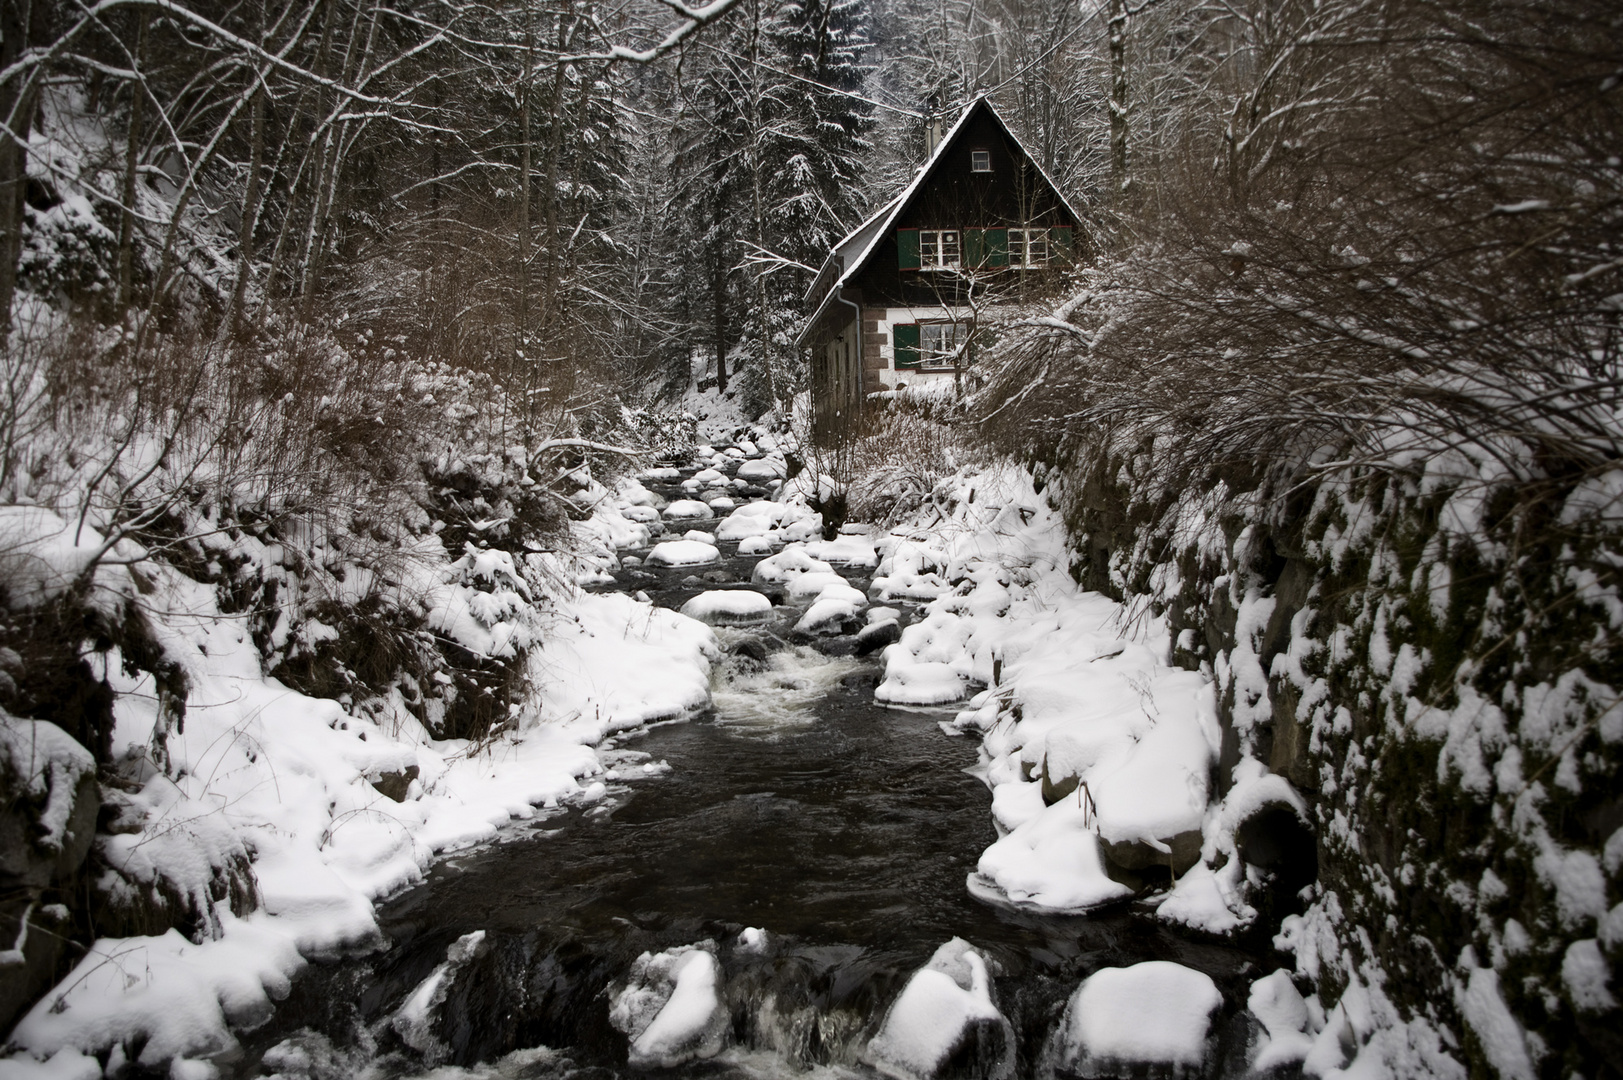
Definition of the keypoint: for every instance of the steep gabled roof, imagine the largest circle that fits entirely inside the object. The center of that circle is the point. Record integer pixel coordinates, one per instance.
(858, 247)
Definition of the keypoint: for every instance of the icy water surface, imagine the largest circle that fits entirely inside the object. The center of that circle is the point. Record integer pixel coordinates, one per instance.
(798, 806)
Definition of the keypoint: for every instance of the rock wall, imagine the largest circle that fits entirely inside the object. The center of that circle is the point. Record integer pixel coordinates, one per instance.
(48, 805)
(1431, 663)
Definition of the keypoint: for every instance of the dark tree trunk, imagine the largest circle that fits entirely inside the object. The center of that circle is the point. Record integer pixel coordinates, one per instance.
(1117, 38)
(132, 168)
(19, 27)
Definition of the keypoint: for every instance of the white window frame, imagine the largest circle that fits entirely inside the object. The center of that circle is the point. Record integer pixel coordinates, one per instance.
(1021, 244)
(977, 158)
(940, 356)
(940, 249)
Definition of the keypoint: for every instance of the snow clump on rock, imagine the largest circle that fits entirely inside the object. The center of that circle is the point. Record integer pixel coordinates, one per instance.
(671, 1007)
(946, 1010)
(1152, 1014)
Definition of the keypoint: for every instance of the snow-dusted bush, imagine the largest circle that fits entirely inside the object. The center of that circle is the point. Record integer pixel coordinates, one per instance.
(905, 449)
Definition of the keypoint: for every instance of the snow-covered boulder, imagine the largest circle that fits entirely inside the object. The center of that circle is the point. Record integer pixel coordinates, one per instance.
(1121, 1020)
(729, 607)
(671, 1007)
(752, 519)
(683, 553)
(688, 509)
(845, 550)
(877, 634)
(944, 1019)
(788, 564)
(920, 684)
(833, 615)
(825, 586)
(766, 468)
(1283, 1016)
(1051, 862)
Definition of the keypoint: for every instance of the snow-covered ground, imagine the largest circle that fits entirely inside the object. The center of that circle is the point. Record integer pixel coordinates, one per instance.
(1089, 736)
(1097, 750)
(259, 771)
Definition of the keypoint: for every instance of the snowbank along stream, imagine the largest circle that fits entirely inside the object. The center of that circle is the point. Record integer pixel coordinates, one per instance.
(772, 887)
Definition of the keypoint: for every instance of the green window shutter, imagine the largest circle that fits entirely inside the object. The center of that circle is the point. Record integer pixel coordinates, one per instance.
(997, 247)
(1060, 241)
(907, 249)
(905, 338)
(974, 248)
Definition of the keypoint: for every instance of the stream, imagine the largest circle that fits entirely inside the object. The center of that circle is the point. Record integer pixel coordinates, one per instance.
(797, 806)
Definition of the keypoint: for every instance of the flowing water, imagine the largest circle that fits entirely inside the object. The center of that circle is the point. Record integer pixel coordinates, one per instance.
(796, 806)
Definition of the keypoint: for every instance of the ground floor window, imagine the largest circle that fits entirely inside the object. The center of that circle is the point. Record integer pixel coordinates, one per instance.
(933, 345)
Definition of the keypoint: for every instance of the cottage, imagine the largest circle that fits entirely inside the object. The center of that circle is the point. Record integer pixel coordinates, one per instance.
(898, 301)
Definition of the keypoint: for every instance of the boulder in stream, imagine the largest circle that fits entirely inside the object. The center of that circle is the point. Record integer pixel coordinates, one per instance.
(876, 635)
(671, 1007)
(729, 607)
(945, 1022)
(1148, 1020)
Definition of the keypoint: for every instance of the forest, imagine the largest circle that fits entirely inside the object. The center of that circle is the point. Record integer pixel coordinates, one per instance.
(359, 355)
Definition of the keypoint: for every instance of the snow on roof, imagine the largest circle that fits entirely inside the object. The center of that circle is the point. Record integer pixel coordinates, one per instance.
(858, 235)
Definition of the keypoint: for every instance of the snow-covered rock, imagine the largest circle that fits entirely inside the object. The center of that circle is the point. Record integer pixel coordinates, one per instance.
(877, 634)
(729, 607)
(688, 509)
(671, 1007)
(1152, 1014)
(1285, 1021)
(683, 553)
(845, 550)
(945, 1010)
(1052, 862)
(831, 615)
(920, 684)
(765, 468)
(787, 565)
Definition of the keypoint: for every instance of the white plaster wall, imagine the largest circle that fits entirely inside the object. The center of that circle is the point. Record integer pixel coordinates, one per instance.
(889, 377)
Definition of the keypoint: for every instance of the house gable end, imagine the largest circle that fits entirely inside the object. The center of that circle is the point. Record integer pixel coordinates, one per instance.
(950, 193)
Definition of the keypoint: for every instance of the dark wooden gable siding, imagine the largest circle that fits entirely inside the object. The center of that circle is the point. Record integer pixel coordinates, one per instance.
(953, 196)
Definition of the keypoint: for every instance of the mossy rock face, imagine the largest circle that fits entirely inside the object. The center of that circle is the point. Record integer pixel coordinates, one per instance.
(39, 879)
(1140, 857)
(1443, 701)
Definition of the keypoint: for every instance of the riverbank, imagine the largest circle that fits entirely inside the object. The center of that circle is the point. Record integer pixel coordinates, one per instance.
(311, 810)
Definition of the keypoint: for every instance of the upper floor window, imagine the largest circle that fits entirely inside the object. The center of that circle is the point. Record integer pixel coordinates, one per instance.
(1028, 247)
(938, 249)
(980, 161)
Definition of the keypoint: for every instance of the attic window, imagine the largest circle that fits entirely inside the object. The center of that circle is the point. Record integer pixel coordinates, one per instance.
(980, 161)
